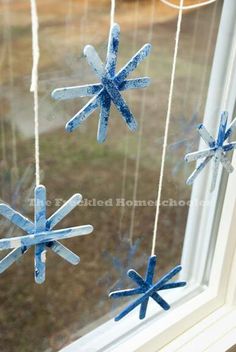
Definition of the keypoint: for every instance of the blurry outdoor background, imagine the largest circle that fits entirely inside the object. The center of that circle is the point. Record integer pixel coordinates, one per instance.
(74, 299)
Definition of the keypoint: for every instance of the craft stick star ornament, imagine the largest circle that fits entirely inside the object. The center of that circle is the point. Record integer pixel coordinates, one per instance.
(40, 233)
(217, 151)
(110, 86)
(147, 289)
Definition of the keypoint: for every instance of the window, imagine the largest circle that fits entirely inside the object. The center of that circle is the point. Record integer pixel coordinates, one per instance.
(73, 303)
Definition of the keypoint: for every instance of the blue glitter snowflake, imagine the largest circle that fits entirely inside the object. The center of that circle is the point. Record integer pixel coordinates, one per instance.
(147, 289)
(40, 233)
(217, 150)
(109, 89)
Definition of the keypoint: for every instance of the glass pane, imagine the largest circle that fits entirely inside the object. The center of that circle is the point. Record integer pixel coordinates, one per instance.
(117, 179)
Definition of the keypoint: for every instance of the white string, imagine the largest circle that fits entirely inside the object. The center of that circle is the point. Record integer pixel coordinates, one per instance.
(143, 107)
(189, 7)
(34, 84)
(126, 144)
(113, 7)
(167, 126)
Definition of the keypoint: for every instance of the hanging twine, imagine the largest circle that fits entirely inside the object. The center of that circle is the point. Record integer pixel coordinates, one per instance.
(126, 143)
(189, 7)
(113, 8)
(140, 135)
(177, 36)
(34, 83)
(164, 148)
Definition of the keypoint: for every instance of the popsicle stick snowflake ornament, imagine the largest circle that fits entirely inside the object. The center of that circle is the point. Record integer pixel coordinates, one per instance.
(217, 151)
(145, 287)
(40, 233)
(110, 86)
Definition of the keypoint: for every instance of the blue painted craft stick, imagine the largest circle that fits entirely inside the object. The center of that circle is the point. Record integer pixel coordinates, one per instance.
(206, 136)
(200, 154)
(160, 301)
(138, 279)
(216, 152)
(215, 166)
(147, 289)
(112, 50)
(15, 254)
(55, 246)
(111, 86)
(172, 285)
(93, 89)
(40, 233)
(143, 308)
(28, 226)
(196, 172)
(146, 286)
(64, 210)
(168, 276)
(11, 258)
(126, 293)
(148, 282)
(222, 128)
(40, 226)
(229, 146)
(44, 237)
(135, 83)
(120, 104)
(94, 61)
(64, 252)
(16, 218)
(98, 67)
(132, 64)
(76, 92)
(150, 269)
(93, 104)
(105, 103)
(151, 292)
(137, 302)
(84, 113)
(230, 130)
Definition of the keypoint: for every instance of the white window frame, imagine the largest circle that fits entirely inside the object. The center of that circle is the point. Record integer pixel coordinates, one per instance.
(200, 311)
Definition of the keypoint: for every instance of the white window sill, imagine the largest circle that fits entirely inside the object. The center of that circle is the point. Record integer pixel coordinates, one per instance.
(215, 333)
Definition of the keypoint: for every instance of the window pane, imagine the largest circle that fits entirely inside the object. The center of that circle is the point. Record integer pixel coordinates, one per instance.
(111, 176)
